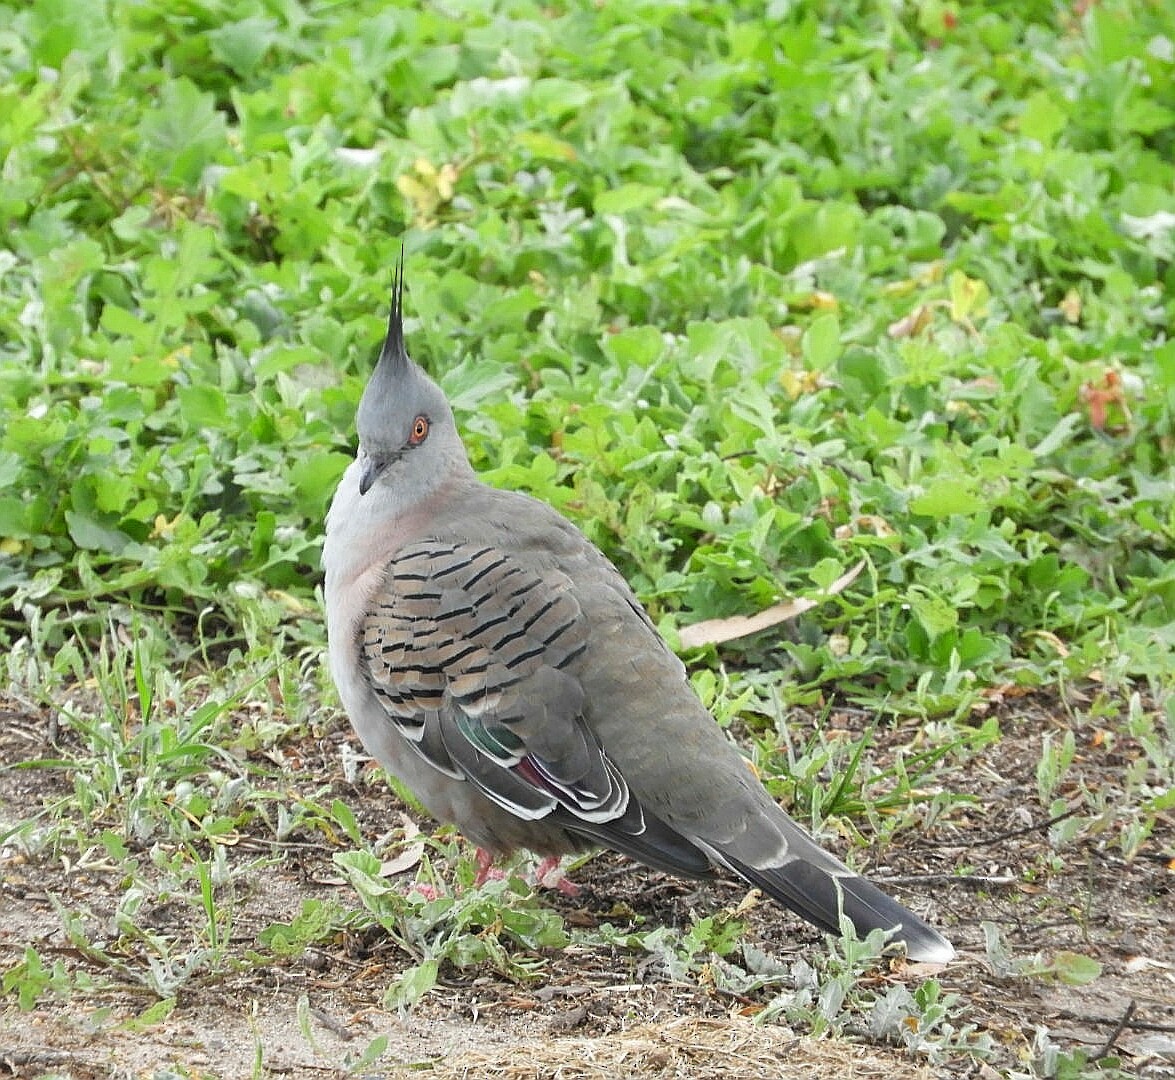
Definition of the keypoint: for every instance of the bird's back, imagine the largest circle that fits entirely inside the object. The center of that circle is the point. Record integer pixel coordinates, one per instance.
(636, 696)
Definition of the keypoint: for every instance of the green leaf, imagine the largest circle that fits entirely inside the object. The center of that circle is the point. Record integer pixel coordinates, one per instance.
(371, 1054)
(1074, 969)
(825, 573)
(92, 535)
(411, 985)
(1065, 429)
(943, 498)
(184, 133)
(638, 346)
(10, 469)
(346, 821)
(277, 358)
(626, 197)
(821, 343)
(60, 27)
(241, 45)
(203, 406)
(315, 478)
(154, 1014)
(541, 144)
(1041, 119)
(935, 614)
(116, 320)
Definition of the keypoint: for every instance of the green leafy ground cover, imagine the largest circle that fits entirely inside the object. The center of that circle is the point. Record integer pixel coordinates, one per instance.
(752, 296)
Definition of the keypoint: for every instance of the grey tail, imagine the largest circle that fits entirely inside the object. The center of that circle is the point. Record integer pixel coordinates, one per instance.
(818, 896)
(393, 353)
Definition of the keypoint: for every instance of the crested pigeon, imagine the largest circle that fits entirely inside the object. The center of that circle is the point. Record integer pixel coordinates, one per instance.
(493, 659)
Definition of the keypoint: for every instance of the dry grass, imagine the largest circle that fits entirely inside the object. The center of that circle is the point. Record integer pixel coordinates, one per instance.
(726, 1049)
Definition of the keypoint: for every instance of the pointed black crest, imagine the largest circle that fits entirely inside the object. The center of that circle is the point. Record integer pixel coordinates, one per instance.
(393, 354)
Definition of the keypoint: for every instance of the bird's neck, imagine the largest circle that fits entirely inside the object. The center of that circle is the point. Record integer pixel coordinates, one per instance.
(367, 530)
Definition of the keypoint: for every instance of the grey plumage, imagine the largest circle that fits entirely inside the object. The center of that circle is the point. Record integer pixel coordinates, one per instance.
(494, 660)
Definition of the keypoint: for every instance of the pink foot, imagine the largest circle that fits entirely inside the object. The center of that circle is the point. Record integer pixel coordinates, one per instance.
(549, 874)
(486, 870)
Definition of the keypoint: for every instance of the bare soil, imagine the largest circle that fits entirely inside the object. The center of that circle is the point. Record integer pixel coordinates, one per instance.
(606, 1012)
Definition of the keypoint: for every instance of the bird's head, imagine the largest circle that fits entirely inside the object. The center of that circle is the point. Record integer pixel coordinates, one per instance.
(406, 430)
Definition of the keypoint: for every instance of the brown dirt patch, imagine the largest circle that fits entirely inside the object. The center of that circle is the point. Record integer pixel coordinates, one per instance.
(602, 1012)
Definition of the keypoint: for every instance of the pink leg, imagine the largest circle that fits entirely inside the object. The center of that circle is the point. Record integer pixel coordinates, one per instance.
(549, 874)
(486, 871)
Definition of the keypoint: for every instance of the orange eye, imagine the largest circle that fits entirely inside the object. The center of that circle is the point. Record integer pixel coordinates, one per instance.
(419, 431)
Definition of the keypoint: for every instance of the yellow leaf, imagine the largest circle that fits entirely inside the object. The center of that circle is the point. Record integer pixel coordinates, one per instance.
(969, 296)
(930, 274)
(429, 189)
(290, 603)
(542, 145)
(412, 189)
(164, 529)
(817, 301)
(1071, 306)
(447, 181)
(796, 383)
(962, 408)
(175, 359)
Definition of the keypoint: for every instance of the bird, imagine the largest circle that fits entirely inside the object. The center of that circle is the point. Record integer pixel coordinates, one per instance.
(496, 662)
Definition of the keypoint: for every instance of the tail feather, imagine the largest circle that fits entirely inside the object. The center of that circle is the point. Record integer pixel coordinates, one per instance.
(819, 896)
(643, 836)
(806, 879)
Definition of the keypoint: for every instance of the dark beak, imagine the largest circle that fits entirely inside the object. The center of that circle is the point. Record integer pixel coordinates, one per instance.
(372, 467)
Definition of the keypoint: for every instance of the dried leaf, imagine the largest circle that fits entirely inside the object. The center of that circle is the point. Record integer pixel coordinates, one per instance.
(839, 645)
(1142, 963)
(1100, 397)
(406, 860)
(716, 631)
(409, 855)
(912, 324)
(1052, 639)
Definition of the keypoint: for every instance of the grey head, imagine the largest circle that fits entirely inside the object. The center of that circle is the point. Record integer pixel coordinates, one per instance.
(407, 437)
